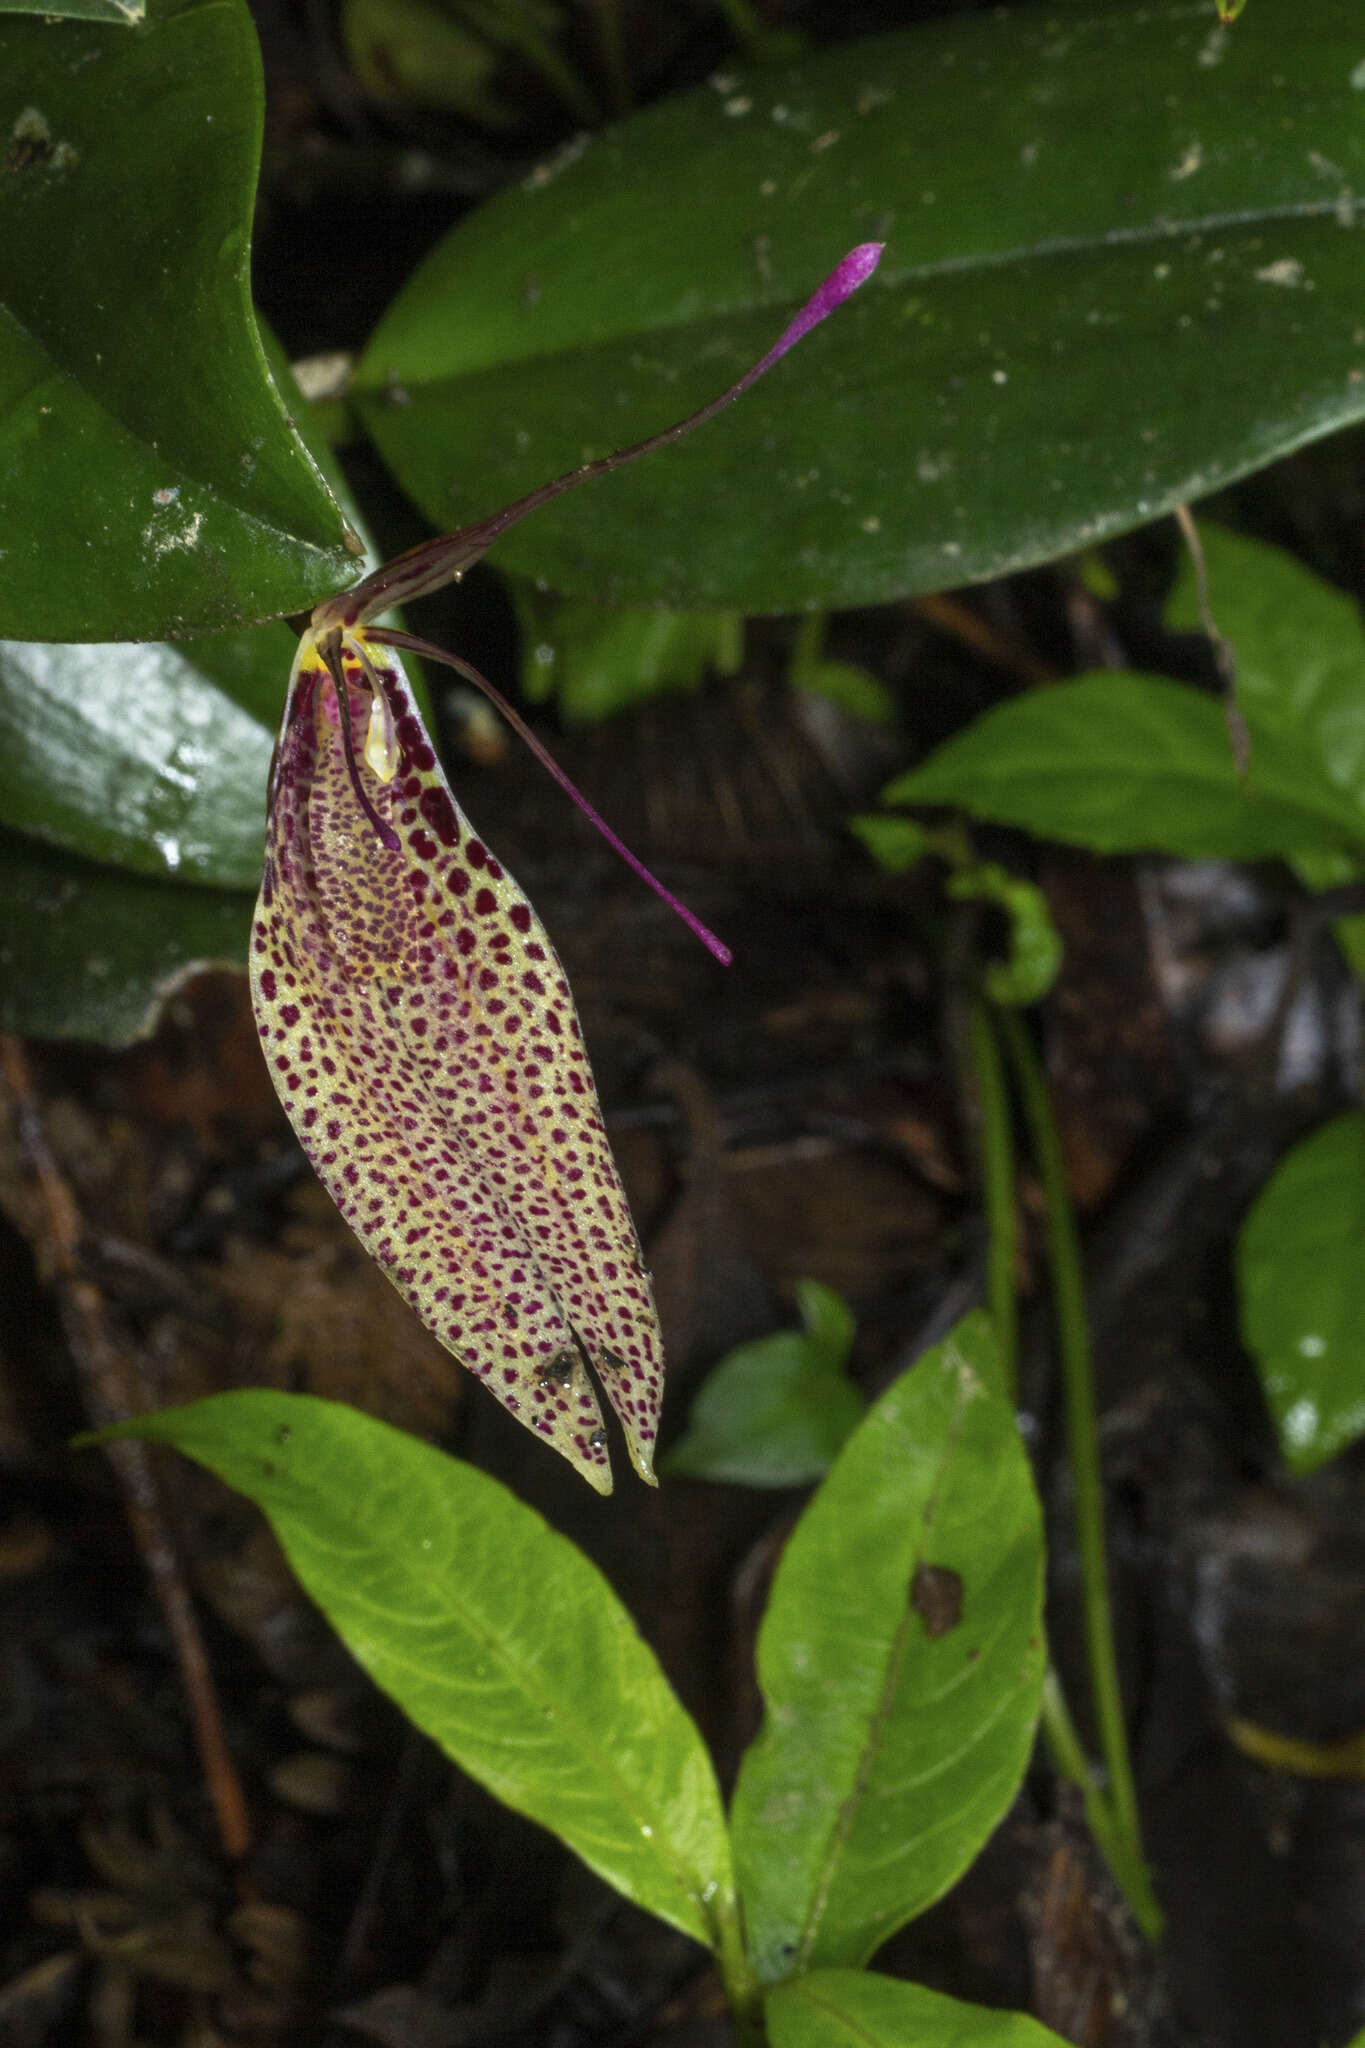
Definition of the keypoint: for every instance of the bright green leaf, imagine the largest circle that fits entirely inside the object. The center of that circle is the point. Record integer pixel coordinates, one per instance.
(1130, 763)
(830, 1327)
(887, 1753)
(1122, 268)
(777, 1412)
(493, 1633)
(151, 481)
(896, 844)
(1301, 1276)
(1299, 647)
(855, 690)
(596, 662)
(1331, 871)
(1035, 954)
(90, 952)
(861, 2009)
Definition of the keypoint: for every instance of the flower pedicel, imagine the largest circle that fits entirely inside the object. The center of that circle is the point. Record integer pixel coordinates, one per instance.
(419, 1028)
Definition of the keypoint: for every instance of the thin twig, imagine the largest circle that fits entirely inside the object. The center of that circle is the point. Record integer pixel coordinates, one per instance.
(948, 615)
(111, 1394)
(1224, 653)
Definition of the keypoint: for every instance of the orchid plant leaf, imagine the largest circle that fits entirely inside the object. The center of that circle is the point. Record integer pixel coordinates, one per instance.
(187, 501)
(147, 763)
(129, 12)
(90, 952)
(1123, 267)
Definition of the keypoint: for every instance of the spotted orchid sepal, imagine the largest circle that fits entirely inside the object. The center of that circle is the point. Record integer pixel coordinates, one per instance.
(418, 1024)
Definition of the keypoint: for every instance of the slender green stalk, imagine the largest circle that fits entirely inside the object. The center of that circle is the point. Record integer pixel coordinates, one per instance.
(1073, 1345)
(737, 1975)
(1123, 1857)
(995, 1139)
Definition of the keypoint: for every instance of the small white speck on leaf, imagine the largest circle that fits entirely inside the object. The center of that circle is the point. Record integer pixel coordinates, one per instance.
(1287, 272)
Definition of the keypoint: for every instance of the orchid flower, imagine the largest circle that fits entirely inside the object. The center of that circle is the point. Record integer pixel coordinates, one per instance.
(418, 1025)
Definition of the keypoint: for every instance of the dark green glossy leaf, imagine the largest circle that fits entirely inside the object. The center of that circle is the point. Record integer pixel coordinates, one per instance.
(151, 481)
(860, 2009)
(90, 952)
(889, 1750)
(1123, 265)
(145, 756)
(777, 1412)
(127, 11)
(1302, 1280)
(1130, 763)
(153, 758)
(494, 1634)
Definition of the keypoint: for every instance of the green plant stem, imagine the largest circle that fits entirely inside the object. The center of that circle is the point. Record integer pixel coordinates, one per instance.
(738, 1976)
(1123, 1857)
(1073, 1345)
(995, 1139)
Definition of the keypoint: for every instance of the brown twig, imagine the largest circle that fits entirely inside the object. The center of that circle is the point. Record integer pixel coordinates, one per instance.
(948, 615)
(1224, 653)
(111, 1393)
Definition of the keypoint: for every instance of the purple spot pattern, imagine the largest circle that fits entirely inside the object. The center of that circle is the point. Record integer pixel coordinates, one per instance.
(421, 1036)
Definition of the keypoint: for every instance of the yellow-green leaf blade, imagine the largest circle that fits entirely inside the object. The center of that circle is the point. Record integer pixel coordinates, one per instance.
(860, 2009)
(494, 1634)
(891, 1745)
